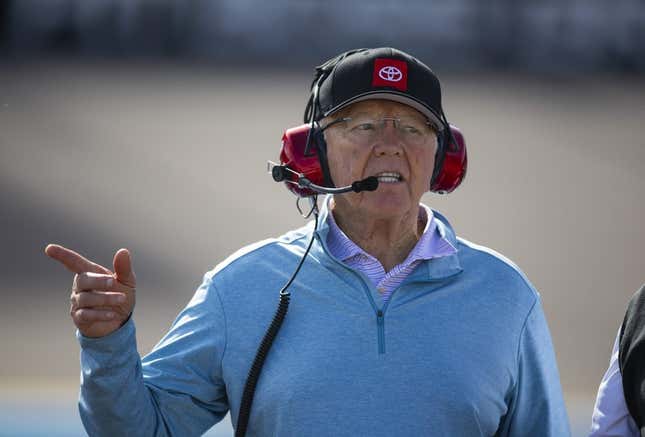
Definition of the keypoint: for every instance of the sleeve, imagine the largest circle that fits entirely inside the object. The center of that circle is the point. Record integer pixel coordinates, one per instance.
(610, 416)
(537, 405)
(177, 389)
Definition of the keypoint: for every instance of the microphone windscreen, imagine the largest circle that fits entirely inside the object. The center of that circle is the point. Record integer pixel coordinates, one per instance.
(367, 184)
(278, 173)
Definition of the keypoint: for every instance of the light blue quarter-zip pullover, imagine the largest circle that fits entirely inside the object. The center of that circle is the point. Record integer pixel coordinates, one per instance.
(461, 348)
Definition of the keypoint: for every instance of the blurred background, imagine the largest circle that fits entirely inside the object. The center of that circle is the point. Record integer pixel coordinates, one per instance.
(147, 124)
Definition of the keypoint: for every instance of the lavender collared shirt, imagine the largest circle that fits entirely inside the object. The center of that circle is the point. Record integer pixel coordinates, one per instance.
(430, 245)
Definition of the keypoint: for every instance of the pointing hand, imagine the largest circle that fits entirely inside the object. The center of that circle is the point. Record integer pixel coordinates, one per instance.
(101, 300)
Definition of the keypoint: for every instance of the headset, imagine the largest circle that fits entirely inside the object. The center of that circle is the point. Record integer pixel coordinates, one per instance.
(306, 173)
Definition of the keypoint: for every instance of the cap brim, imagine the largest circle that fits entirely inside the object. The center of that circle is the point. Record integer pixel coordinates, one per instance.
(395, 97)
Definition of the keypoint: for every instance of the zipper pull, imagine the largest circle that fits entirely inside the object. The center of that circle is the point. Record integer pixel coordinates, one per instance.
(380, 324)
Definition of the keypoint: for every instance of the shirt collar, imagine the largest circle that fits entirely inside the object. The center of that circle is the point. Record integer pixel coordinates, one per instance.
(431, 270)
(431, 244)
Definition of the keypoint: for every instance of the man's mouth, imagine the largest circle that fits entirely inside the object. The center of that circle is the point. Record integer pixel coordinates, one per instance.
(389, 177)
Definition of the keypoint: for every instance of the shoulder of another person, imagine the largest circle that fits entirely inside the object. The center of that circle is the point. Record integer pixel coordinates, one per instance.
(638, 299)
(631, 356)
(634, 320)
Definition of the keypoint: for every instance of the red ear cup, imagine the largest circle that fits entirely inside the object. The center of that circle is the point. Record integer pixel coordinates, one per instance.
(454, 166)
(292, 155)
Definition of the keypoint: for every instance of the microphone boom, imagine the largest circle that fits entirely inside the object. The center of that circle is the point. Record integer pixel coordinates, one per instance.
(367, 184)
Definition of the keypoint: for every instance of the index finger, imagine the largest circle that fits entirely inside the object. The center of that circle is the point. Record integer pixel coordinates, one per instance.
(73, 261)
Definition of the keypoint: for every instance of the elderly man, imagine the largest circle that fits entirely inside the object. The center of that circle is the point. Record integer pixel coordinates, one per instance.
(396, 326)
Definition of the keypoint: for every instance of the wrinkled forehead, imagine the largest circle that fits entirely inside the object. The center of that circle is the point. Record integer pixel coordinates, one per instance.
(378, 108)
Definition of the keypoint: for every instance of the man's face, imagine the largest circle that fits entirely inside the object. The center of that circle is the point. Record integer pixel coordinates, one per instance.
(401, 158)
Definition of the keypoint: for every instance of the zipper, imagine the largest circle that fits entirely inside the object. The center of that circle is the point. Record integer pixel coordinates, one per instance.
(380, 314)
(380, 323)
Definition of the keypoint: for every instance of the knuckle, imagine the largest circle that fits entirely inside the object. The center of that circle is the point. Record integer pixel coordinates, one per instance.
(118, 300)
(84, 315)
(82, 282)
(81, 299)
(89, 299)
(77, 315)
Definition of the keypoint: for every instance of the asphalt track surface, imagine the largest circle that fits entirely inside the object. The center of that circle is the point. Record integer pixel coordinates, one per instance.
(169, 161)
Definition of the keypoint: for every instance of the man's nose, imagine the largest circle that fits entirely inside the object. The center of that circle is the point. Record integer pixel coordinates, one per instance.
(389, 141)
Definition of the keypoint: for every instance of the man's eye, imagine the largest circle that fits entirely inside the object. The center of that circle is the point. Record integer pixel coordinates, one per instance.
(411, 129)
(365, 127)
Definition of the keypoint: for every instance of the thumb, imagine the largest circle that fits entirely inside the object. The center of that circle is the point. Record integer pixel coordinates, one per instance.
(123, 268)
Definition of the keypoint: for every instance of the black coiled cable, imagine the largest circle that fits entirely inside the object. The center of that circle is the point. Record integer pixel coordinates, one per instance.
(267, 342)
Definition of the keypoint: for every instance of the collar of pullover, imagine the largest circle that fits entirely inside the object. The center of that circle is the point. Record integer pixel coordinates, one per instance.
(429, 270)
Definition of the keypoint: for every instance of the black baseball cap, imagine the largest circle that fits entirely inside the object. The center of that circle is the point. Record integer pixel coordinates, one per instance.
(379, 73)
